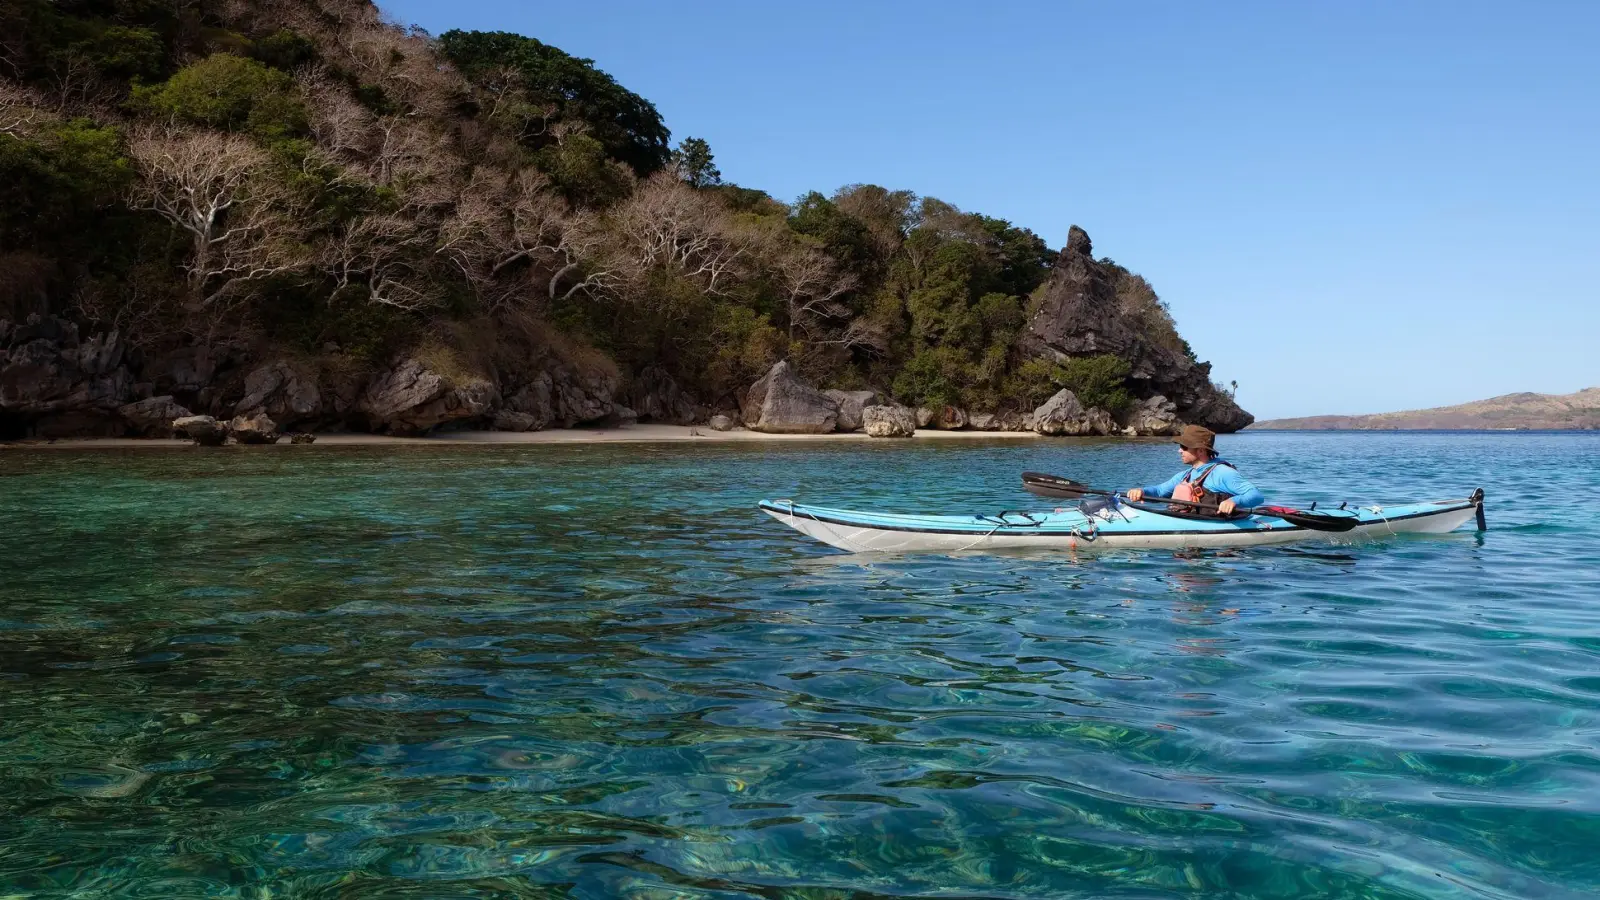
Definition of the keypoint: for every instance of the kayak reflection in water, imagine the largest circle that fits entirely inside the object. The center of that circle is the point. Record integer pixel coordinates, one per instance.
(1209, 478)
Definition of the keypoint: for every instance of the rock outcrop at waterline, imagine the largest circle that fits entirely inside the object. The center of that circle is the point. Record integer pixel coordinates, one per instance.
(56, 382)
(1081, 315)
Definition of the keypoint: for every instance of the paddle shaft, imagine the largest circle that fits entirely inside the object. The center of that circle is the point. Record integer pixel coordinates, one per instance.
(1318, 521)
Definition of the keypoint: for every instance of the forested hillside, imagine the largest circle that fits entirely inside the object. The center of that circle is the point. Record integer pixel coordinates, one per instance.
(224, 185)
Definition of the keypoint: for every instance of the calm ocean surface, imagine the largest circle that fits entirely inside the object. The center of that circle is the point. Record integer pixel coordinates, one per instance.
(594, 672)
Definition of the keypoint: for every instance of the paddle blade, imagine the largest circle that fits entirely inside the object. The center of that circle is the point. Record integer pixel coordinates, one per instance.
(1053, 486)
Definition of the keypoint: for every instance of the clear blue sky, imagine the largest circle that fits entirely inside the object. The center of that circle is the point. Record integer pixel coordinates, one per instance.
(1350, 207)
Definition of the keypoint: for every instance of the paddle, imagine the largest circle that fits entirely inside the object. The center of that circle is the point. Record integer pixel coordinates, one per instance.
(1046, 485)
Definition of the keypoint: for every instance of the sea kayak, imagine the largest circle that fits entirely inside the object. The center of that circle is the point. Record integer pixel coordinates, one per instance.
(1119, 527)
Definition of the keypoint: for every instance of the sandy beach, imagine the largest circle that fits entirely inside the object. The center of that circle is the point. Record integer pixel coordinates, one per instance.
(634, 434)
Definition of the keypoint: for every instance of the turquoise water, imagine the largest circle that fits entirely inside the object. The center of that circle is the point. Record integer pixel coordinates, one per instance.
(599, 672)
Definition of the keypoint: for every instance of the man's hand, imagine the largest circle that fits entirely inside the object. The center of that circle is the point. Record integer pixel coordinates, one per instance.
(1226, 507)
(1136, 494)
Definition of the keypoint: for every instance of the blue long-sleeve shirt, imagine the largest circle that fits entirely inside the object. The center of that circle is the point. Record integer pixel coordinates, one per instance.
(1223, 479)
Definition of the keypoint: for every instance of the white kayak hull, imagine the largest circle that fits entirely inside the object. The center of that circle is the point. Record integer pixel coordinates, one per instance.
(1070, 530)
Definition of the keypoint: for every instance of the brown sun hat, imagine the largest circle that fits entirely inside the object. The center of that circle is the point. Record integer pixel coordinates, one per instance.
(1196, 437)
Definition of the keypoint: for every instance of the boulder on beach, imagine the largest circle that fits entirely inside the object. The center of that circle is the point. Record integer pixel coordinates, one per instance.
(153, 416)
(511, 420)
(889, 421)
(851, 404)
(203, 430)
(257, 429)
(780, 403)
(950, 418)
(1064, 415)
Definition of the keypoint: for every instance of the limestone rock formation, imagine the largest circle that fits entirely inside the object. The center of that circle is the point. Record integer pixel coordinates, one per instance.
(780, 403)
(721, 422)
(256, 429)
(1152, 416)
(287, 393)
(1006, 420)
(851, 404)
(55, 383)
(950, 418)
(153, 416)
(1062, 414)
(511, 420)
(411, 399)
(1081, 315)
(657, 398)
(889, 421)
(203, 430)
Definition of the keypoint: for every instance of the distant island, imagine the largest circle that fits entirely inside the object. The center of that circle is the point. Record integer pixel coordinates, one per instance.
(1510, 411)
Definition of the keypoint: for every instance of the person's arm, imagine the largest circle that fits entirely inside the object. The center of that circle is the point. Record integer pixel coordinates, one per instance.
(1165, 488)
(1229, 481)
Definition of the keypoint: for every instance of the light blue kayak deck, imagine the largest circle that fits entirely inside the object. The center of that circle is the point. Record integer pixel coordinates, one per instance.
(1124, 520)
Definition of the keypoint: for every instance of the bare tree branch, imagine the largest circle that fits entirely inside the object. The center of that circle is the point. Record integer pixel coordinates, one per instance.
(210, 186)
(667, 224)
(382, 256)
(812, 283)
(21, 110)
(521, 227)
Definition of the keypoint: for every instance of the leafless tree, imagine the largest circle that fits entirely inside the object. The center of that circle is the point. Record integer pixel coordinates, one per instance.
(77, 84)
(21, 110)
(385, 256)
(812, 284)
(211, 187)
(523, 228)
(339, 124)
(403, 65)
(667, 224)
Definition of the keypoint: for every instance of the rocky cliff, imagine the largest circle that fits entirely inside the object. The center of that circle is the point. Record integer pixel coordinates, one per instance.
(1580, 410)
(56, 382)
(1082, 315)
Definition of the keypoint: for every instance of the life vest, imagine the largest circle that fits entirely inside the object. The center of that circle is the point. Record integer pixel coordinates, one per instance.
(1193, 490)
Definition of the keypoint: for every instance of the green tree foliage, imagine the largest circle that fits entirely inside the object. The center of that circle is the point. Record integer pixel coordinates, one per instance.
(543, 77)
(583, 173)
(410, 187)
(1096, 381)
(842, 236)
(692, 162)
(284, 50)
(55, 184)
(228, 92)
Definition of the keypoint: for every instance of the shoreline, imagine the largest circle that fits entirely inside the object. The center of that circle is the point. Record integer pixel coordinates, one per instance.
(624, 434)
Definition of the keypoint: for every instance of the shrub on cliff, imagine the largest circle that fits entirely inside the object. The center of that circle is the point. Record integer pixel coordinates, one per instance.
(227, 92)
(1097, 381)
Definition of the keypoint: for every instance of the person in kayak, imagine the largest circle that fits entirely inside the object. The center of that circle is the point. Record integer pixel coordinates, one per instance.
(1209, 478)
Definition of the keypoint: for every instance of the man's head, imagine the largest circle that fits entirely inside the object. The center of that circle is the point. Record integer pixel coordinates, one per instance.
(1198, 444)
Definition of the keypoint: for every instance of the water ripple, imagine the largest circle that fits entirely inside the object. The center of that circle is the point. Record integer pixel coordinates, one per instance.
(598, 672)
